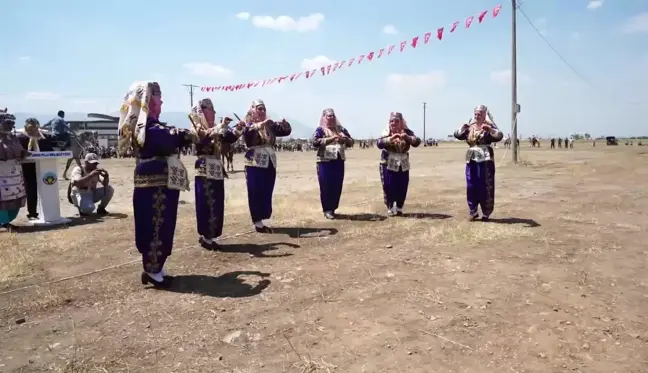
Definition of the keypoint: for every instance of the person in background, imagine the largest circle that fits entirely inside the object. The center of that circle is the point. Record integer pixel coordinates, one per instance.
(395, 144)
(480, 133)
(60, 130)
(85, 193)
(33, 140)
(12, 193)
(260, 137)
(330, 140)
(210, 176)
(159, 176)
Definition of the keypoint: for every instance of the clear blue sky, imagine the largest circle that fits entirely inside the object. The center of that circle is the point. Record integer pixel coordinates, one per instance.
(82, 56)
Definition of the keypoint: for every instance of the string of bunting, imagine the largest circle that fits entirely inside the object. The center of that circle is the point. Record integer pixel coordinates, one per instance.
(328, 69)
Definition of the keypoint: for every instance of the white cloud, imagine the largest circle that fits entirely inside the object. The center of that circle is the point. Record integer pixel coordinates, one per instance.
(504, 77)
(316, 62)
(575, 35)
(207, 69)
(433, 80)
(595, 4)
(390, 30)
(42, 96)
(286, 23)
(84, 101)
(243, 16)
(25, 58)
(636, 24)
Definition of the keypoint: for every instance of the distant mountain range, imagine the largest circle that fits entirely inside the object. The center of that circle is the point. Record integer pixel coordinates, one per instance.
(179, 119)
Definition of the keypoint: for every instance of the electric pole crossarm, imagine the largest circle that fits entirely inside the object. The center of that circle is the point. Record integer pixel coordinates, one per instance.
(191, 92)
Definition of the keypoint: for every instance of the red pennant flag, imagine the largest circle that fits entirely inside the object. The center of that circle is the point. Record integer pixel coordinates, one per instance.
(469, 21)
(380, 53)
(351, 61)
(282, 79)
(341, 64)
(292, 77)
(482, 15)
(402, 46)
(426, 37)
(328, 69)
(272, 80)
(415, 41)
(219, 88)
(257, 83)
(496, 10)
(308, 75)
(370, 56)
(362, 56)
(202, 89)
(264, 83)
(335, 66)
(454, 26)
(391, 48)
(440, 33)
(249, 85)
(323, 69)
(297, 76)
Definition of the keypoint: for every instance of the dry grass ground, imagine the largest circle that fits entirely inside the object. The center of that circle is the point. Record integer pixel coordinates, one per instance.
(557, 282)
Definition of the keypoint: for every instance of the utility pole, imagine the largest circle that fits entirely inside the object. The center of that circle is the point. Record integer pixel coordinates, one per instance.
(191, 91)
(514, 103)
(424, 110)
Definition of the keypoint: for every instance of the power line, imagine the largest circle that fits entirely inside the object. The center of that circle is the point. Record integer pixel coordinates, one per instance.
(572, 68)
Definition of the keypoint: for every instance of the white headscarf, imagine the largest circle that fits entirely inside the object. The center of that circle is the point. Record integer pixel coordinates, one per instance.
(133, 114)
(489, 118)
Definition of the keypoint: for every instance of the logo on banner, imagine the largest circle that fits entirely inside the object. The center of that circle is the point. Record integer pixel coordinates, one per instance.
(49, 178)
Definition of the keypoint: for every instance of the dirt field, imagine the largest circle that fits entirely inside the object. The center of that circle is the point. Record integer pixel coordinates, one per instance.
(556, 282)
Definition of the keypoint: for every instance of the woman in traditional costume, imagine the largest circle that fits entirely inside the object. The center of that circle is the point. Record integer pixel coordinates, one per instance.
(260, 135)
(480, 133)
(159, 176)
(12, 185)
(330, 140)
(395, 144)
(210, 173)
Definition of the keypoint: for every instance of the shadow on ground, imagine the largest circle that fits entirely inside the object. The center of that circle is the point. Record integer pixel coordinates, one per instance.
(257, 250)
(528, 222)
(227, 285)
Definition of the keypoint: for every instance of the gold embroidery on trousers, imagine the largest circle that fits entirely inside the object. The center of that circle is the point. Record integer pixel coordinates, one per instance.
(153, 263)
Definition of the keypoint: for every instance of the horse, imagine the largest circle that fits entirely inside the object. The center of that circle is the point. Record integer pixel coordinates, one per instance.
(77, 146)
(227, 156)
(534, 142)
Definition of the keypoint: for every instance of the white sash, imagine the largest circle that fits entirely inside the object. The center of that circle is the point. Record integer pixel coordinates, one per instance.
(263, 156)
(214, 168)
(480, 153)
(398, 162)
(178, 177)
(331, 151)
(11, 181)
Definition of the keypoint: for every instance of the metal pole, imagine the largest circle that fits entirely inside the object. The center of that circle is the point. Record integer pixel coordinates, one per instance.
(514, 137)
(191, 92)
(424, 110)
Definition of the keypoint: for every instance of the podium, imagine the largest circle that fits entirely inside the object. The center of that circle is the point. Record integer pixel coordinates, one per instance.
(49, 206)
